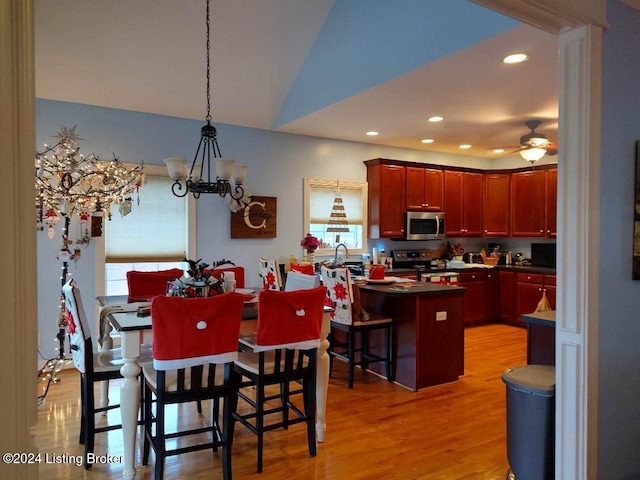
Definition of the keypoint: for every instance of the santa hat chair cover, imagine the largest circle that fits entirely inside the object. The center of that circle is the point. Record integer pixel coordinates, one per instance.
(195, 331)
(145, 285)
(290, 319)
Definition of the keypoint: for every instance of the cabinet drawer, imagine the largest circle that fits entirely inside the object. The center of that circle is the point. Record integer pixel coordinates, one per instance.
(549, 279)
(466, 277)
(530, 278)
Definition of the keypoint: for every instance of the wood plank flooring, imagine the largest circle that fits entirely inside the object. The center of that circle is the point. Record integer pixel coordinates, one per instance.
(378, 430)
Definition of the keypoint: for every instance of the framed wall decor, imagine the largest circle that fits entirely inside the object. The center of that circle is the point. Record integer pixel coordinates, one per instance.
(256, 220)
(636, 218)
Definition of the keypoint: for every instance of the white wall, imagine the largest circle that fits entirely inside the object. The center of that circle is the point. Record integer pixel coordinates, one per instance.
(619, 296)
(277, 165)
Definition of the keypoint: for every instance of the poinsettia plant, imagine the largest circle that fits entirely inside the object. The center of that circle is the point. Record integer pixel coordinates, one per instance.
(310, 243)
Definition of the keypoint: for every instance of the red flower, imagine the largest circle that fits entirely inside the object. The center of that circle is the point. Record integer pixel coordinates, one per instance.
(271, 279)
(340, 291)
(310, 243)
(71, 325)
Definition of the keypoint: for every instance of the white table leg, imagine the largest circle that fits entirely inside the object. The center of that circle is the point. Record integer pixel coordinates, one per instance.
(130, 399)
(322, 379)
(107, 344)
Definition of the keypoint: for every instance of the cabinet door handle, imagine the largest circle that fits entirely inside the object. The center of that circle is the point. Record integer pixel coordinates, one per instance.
(541, 231)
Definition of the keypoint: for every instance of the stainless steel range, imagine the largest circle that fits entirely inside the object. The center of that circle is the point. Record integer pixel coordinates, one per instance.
(419, 260)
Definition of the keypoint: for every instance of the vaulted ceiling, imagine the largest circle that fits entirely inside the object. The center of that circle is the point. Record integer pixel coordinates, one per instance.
(325, 68)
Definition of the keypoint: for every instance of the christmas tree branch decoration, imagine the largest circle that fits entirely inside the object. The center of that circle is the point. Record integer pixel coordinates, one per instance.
(68, 183)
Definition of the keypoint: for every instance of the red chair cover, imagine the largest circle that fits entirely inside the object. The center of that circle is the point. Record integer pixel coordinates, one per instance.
(308, 269)
(194, 331)
(290, 319)
(145, 285)
(239, 273)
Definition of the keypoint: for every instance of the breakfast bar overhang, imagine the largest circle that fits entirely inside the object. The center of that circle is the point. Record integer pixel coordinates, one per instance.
(428, 331)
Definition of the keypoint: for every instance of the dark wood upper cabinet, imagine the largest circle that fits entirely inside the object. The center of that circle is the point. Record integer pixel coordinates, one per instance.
(528, 208)
(552, 202)
(424, 189)
(473, 204)
(497, 200)
(386, 200)
(453, 204)
(463, 203)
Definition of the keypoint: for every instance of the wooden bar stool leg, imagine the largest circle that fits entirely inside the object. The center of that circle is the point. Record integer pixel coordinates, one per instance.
(388, 357)
(364, 350)
(351, 340)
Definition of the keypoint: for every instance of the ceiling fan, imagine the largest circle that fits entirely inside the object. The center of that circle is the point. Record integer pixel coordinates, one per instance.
(533, 145)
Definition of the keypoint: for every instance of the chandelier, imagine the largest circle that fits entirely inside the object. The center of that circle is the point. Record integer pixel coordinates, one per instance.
(227, 170)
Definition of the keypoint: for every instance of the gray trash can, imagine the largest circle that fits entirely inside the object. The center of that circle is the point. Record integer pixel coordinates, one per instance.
(531, 421)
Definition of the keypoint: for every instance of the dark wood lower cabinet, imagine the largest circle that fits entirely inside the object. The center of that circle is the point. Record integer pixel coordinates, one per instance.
(481, 299)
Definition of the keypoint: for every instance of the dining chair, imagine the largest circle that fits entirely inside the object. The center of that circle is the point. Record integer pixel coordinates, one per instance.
(146, 285)
(96, 367)
(195, 342)
(351, 322)
(285, 350)
(269, 272)
(238, 273)
(300, 281)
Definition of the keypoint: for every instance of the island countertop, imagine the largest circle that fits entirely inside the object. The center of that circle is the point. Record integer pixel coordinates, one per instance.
(547, 319)
(411, 288)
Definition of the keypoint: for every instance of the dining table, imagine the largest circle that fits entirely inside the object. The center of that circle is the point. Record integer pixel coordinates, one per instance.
(118, 314)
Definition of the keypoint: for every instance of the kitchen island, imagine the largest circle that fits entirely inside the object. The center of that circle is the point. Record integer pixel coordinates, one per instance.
(428, 331)
(541, 337)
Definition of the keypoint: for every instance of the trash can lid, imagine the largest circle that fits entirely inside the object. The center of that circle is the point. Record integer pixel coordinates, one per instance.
(540, 379)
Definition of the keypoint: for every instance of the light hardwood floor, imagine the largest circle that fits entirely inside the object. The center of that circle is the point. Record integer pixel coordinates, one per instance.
(378, 430)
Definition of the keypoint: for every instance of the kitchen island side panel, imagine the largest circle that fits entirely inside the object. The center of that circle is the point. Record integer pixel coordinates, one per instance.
(425, 351)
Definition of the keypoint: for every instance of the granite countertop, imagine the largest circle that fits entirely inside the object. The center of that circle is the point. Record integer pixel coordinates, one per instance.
(410, 288)
(541, 318)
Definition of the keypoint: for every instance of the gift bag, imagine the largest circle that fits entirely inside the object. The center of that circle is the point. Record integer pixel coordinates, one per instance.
(543, 304)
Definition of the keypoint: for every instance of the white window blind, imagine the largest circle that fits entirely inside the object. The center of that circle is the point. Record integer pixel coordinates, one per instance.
(321, 203)
(154, 231)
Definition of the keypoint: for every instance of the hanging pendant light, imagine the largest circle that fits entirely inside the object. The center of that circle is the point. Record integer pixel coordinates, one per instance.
(193, 180)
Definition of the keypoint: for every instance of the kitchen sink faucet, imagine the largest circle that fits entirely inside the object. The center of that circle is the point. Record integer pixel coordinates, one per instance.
(346, 251)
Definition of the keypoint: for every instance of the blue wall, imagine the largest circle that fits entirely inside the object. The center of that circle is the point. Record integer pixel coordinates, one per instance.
(619, 296)
(278, 162)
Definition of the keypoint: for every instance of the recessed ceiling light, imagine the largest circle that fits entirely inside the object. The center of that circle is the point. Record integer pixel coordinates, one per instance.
(498, 150)
(436, 118)
(465, 146)
(427, 140)
(516, 58)
(373, 133)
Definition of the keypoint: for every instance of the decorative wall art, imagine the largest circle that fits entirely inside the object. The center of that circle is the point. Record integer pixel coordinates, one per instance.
(636, 218)
(257, 220)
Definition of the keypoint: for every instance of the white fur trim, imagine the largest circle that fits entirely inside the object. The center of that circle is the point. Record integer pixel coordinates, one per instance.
(193, 361)
(306, 345)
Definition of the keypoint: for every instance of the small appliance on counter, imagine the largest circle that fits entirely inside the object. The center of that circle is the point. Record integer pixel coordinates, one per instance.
(543, 255)
(472, 257)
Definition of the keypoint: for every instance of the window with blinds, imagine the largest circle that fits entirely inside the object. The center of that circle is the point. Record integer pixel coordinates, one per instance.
(320, 199)
(154, 231)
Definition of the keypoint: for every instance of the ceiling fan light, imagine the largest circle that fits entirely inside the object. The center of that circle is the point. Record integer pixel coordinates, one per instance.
(532, 154)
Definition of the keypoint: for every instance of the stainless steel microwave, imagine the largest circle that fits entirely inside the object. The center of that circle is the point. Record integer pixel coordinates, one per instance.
(424, 225)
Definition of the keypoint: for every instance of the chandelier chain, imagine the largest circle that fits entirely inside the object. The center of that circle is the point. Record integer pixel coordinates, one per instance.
(208, 68)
